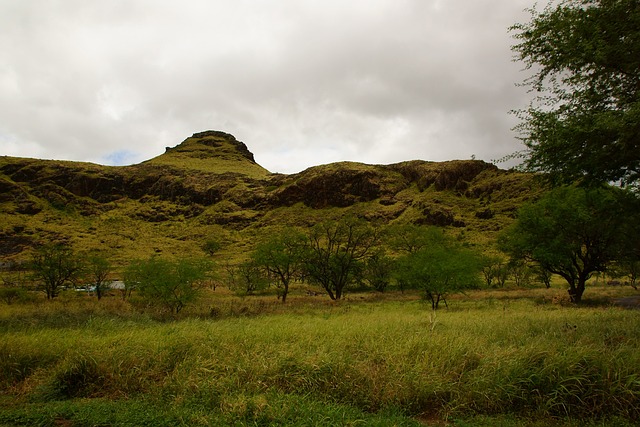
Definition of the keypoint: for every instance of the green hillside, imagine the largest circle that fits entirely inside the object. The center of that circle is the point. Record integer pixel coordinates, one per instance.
(210, 187)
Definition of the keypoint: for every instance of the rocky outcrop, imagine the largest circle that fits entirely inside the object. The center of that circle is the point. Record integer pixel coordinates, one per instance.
(336, 185)
(451, 175)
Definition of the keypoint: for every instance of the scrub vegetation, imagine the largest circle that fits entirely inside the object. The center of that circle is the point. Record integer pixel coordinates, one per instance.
(495, 357)
(197, 288)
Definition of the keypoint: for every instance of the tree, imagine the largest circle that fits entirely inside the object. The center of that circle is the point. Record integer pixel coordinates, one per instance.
(573, 232)
(410, 238)
(281, 256)
(98, 269)
(335, 253)
(172, 284)
(495, 271)
(584, 124)
(212, 246)
(54, 266)
(520, 272)
(440, 268)
(247, 277)
(378, 270)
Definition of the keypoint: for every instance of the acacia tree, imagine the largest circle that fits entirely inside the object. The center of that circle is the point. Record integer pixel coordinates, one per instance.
(54, 266)
(281, 256)
(172, 284)
(378, 270)
(573, 232)
(584, 123)
(98, 268)
(441, 267)
(247, 277)
(410, 238)
(336, 251)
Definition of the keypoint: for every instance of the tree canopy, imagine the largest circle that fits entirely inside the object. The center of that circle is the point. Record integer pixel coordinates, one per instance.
(336, 251)
(573, 232)
(281, 256)
(172, 284)
(584, 123)
(54, 266)
(440, 267)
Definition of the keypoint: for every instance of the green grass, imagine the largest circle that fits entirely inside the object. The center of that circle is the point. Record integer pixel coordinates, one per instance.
(512, 358)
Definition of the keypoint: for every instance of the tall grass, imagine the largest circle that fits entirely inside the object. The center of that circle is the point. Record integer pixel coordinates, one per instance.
(480, 358)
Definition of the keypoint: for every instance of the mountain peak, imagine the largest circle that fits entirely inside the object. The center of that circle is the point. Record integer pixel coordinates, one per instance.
(211, 151)
(215, 139)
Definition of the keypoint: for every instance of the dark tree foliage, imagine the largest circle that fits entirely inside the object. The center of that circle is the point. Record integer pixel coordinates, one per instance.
(98, 268)
(281, 256)
(53, 267)
(378, 270)
(172, 284)
(336, 251)
(573, 232)
(439, 268)
(584, 124)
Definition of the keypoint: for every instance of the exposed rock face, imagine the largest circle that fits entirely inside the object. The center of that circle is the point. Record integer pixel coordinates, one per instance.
(209, 138)
(451, 175)
(338, 185)
(212, 179)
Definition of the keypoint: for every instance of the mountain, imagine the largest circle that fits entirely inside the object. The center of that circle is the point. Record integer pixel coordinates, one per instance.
(210, 187)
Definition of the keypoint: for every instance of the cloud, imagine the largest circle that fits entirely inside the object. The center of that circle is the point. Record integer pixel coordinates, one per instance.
(301, 83)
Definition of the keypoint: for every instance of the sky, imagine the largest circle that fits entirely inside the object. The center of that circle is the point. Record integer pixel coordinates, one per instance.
(300, 82)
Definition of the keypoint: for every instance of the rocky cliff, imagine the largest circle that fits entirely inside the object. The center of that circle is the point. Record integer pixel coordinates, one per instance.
(212, 180)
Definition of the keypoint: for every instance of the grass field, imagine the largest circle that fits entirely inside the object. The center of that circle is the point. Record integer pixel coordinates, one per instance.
(494, 358)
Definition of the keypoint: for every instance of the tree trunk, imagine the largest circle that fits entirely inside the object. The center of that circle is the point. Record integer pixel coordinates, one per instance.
(576, 291)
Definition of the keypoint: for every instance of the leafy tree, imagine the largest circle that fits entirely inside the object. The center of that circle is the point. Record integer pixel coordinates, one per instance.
(629, 263)
(247, 278)
(584, 123)
(543, 276)
(211, 246)
(378, 270)
(572, 232)
(172, 284)
(440, 268)
(53, 267)
(410, 238)
(494, 271)
(335, 253)
(10, 295)
(281, 256)
(520, 272)
(98, 268)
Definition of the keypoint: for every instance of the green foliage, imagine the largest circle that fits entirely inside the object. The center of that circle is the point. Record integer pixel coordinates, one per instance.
(281, 256)
(410, 238)
(212, 246)
(499, 354)
(11, 295)
(495, 271)
(336, 251)
(172, 284)
(53, 267)
(572, 232)
(247, 278)
(98, 268)
(378, 270)
(439, 268)
(585, 59)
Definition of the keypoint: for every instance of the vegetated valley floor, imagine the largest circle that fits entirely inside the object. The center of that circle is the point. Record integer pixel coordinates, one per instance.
(510, 357)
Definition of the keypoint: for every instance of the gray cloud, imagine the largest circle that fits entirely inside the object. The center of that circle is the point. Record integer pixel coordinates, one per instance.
(300, 82)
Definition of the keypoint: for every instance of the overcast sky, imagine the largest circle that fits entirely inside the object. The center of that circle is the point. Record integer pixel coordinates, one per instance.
(301, 82)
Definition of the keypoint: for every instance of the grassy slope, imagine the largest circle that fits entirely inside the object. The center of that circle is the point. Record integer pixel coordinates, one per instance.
(128, 227)
(494, 358)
